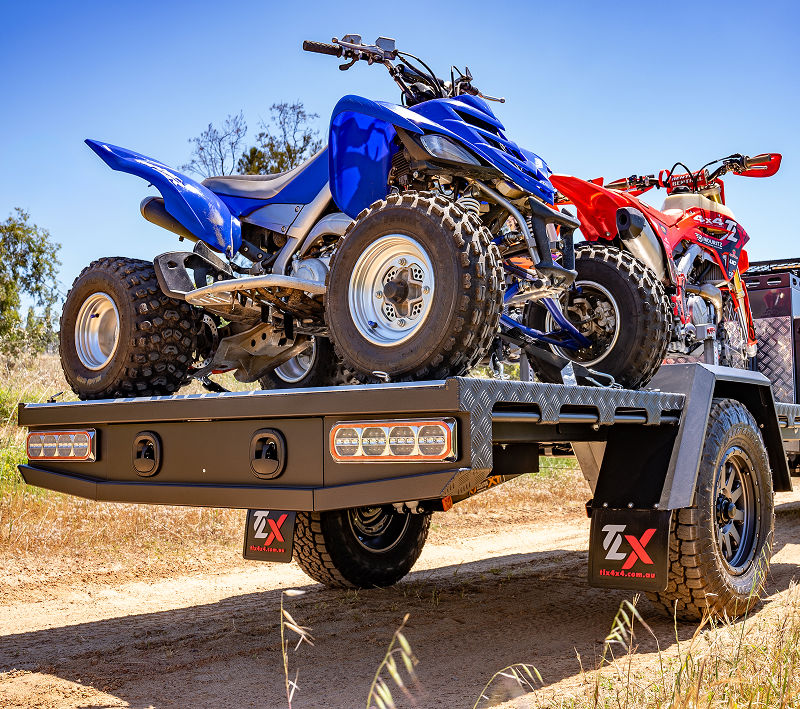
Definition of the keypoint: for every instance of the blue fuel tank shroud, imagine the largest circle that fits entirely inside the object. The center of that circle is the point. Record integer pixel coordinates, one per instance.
(362, 145)
(194, 206)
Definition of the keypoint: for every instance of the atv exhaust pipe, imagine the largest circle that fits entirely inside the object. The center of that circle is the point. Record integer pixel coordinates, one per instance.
(155, 212)
(640, 240)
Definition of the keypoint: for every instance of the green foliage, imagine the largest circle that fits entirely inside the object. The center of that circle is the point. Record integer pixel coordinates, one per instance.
(28, 264)
(282, 144)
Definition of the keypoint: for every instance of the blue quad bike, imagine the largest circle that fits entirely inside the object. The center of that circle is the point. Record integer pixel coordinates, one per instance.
(406, 249)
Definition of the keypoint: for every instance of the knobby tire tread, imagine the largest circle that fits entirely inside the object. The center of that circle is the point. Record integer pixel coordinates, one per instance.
(161, 351)
(482, 278)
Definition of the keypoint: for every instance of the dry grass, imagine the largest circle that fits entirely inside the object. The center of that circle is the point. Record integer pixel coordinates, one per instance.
(558, 488)
(38, 522)
(754, 662)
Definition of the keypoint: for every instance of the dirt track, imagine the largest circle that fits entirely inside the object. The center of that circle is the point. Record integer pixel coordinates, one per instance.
(479, 599)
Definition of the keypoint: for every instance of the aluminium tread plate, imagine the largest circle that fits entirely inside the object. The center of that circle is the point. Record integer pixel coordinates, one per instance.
(477, 396)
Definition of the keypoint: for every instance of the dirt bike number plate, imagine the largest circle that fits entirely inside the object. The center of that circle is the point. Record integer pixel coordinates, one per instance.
(629, 549)
(269, 535)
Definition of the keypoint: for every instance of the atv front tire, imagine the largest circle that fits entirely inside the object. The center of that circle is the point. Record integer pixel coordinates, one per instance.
(622, 309)
(415, 290)
(359, 548)
(121, 336)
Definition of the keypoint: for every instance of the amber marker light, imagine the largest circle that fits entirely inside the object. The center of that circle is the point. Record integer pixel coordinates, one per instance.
(409, 441)
(62, 445)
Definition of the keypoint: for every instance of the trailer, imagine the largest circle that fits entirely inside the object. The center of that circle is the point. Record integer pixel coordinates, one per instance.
(345, 479)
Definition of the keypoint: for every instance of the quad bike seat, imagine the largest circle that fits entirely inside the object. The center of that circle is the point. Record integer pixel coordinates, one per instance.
(258, 186)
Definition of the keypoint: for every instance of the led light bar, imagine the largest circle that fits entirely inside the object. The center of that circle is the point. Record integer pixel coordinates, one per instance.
(62, 445)
(407, 441)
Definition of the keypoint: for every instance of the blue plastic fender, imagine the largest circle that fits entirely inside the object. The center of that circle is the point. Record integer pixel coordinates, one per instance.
(194, 206)
(361, 148)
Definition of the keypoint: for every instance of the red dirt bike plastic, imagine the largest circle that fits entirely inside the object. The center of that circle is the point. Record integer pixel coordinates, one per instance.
(597, 209)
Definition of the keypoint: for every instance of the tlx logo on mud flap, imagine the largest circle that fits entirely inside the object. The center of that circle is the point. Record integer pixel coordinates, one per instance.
(260, 522)
(612, 542)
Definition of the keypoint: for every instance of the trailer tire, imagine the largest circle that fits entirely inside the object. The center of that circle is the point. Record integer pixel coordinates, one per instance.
(710, 572)
(637, 348)
(318, 366)
(333, 548)
(121, 336)
(415, 290)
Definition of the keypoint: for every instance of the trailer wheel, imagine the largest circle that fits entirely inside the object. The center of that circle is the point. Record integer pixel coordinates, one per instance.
(121, 336)
(359, 548)
(622, 309)
(720, 547)
(415, 290)
(317, 366)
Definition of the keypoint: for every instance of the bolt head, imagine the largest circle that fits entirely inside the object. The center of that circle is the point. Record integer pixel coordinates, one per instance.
(402, 262)
(425, 290)
(379, 294)
(630, 505)
(401, 322)
(605, 504)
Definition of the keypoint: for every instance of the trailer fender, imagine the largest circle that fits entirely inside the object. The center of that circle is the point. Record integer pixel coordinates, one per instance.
(701, 383)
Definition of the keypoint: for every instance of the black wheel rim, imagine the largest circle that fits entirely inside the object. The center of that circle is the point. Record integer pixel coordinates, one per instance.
(595, 313)
(736, 503)
(377, 529)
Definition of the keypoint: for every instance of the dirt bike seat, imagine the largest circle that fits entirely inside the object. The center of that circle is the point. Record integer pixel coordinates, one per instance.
(261, 187)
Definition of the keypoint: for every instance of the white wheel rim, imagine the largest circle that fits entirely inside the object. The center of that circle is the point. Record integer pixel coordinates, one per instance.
(298, 367)
(97, 331)
(550, 325)
(380, 320)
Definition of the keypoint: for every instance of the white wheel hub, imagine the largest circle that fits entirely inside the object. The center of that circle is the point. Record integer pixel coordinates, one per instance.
(298, 366)
(391, 290)
(97, 331)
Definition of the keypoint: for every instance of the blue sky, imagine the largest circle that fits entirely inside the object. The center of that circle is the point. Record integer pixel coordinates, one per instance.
(595, 88)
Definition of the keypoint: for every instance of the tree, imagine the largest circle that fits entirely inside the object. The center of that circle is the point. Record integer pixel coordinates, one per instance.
(215, 149)
(28, 264)
(282, 144)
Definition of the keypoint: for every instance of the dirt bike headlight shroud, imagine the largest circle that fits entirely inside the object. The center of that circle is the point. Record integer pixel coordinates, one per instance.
(445, 149)
(421, 440)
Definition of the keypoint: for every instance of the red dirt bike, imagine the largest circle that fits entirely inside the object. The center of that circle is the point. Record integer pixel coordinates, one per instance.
(653, 284)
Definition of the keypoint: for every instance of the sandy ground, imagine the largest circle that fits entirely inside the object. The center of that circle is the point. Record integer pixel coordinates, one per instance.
(482, 596)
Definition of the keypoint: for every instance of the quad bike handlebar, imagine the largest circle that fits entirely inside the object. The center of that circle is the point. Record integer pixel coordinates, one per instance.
(417, 85)
(322, 48)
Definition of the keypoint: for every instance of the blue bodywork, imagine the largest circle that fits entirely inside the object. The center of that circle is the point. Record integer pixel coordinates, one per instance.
(357, 164)
(362, 145)
(194, 206)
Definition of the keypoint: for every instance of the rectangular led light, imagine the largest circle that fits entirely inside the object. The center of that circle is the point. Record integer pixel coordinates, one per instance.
(62, 445)
(408, 441)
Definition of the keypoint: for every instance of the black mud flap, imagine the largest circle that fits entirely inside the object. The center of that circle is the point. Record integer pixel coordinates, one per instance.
(629, 549)
(269, 535)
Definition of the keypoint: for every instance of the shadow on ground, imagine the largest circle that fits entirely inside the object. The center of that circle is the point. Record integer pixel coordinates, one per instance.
(465, 623)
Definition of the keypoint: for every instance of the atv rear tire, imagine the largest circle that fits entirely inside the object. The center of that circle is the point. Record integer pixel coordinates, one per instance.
(121, 336)
(710, 571)
(618, 289)
(415, 290)
(359, 548)
(318, 366)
